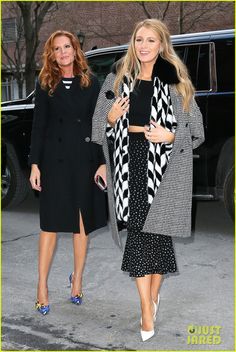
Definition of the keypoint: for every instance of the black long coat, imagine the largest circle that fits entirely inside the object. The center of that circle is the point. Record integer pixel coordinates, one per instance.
(61, 146)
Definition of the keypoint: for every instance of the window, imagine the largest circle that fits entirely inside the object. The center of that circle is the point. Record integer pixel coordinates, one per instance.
(180, 51)
(198, 63)
(9, 30)
(9, 89)
(6, 91)
(225, 64)
(101, 65)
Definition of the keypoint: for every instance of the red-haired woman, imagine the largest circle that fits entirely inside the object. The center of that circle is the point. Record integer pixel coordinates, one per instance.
(63, 159)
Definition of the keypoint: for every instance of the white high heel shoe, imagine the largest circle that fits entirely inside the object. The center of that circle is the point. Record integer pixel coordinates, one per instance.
(146, 335)
(156, 306)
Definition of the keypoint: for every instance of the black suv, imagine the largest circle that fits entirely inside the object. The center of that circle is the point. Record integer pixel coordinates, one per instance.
(209, 57)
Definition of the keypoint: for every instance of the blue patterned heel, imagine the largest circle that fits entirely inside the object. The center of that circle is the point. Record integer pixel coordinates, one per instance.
(41, 308)
(70, 279)
(78, 298)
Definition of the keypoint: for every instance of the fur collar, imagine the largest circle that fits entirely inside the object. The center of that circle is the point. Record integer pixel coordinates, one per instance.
(162, 69)
(165, 71)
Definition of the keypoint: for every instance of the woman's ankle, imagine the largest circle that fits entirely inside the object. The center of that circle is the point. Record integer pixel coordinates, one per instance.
(155, 297)
(147, 321)
(42, 293)
(76, 288)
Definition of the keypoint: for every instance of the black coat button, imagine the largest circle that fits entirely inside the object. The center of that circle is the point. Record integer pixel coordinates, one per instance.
(182, 150)
(60, 119)
(59, 139)
(60, 160)
(87, 139)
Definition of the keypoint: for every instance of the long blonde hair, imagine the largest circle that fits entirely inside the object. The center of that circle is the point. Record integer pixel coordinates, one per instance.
(50, 74)
(131, 67)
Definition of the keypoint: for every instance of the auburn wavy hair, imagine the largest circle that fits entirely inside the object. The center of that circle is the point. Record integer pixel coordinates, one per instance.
(131, 66)
(50, 74)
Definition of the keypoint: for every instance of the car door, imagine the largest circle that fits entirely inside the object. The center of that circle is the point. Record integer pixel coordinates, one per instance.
(221, 112)
(197, 57)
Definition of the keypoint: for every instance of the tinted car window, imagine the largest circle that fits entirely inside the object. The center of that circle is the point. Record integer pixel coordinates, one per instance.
(101, 65)
(180, 51)
(203, 74)
(197, 61)
(225, 64)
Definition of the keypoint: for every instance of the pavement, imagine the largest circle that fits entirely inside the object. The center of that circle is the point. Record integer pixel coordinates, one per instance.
(196, 307)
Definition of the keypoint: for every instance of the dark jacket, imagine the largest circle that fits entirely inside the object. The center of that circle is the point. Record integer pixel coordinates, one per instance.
(61, 146)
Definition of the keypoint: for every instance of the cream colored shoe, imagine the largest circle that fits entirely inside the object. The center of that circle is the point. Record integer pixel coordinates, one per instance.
(146, 335)
(156, 306)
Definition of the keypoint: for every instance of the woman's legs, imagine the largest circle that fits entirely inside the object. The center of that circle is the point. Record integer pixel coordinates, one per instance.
(148, 288)
(156, 282)
(144, 289)
(80, 241)
(47, 243)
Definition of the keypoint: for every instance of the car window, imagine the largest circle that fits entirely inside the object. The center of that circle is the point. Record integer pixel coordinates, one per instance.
(203, 73)
(180, 51)
(101, 65)
(197, 61)
(225, 64)
(196, 58)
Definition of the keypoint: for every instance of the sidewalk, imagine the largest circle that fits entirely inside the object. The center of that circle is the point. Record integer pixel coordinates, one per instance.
(201, 294)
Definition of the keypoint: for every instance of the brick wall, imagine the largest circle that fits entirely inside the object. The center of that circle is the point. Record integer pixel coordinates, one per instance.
(110, 23)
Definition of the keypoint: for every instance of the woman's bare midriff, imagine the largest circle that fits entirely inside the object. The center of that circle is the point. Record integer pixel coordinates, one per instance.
(136, 129)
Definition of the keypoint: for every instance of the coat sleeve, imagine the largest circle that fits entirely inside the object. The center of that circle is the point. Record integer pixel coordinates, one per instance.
(196, 125)
(39, 124)
(102, 108)
(97, 148)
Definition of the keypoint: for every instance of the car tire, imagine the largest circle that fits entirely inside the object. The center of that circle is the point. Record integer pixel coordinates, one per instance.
(229, 193)
(15, 186)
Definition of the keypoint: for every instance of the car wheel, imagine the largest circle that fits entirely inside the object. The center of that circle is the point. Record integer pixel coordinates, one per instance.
(229, 193)
(15, 186)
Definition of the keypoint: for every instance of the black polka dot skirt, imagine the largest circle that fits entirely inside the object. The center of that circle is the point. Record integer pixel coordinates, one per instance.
(145, 253)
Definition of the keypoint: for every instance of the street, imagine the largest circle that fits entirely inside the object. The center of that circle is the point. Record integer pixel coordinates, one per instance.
(200, 294)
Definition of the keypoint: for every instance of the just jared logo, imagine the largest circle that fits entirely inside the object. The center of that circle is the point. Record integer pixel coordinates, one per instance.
(204, 334)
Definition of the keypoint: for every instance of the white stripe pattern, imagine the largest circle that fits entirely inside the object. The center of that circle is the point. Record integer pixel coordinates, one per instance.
(67, 84)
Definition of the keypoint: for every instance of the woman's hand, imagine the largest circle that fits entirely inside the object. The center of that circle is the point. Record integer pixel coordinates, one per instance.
(120, 106)
(35, 177)
(158, 134)
(102, 172)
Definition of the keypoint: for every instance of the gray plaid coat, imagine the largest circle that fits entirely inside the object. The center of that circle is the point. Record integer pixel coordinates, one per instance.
(170, 211)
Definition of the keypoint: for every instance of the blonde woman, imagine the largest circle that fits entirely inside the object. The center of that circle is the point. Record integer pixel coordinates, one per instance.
(147, 108)
(63, 159)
